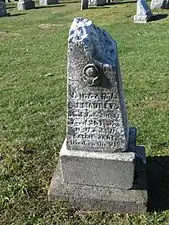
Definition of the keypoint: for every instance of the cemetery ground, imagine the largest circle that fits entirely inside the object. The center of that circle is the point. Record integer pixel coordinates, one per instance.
(33, 49)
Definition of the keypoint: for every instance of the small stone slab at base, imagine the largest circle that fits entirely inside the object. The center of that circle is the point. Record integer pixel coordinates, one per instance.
(21, 5)
(48, 2)
(98, 168)
(96, 198)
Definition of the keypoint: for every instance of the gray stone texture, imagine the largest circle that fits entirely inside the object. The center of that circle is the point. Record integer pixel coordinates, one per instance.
(25, 4)
(143, 14)
(48, 2)
(84, 4)
(97, 168)
(97, 117)
(3, 11)
(157, 4)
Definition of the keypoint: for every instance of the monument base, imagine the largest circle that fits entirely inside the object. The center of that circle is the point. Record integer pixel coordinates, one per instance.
(26, 5)
(97, 198)
(142, 18)
(48, 2)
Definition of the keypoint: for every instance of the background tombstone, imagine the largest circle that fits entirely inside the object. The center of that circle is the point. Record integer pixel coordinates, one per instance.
(3, 11)
(157, 4)
(48, 2)
(100, 164)
(84, 4)
(143, 13)
(97, 2)
(25, 4)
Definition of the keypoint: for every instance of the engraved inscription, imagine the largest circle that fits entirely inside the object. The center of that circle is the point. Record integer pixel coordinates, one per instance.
(93, 119)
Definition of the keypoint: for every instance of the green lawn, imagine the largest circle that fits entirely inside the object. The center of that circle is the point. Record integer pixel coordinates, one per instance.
(33, 48)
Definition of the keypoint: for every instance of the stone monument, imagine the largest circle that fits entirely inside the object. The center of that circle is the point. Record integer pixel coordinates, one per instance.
(48, 2)
(3, 11)
(143, 14)
(84, 4)
(25, 4)
(97, 2)
(100, 167)
(157, 4)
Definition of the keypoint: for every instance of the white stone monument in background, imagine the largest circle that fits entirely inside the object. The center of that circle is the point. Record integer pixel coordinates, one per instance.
(143, 14)
(100, 167)
(25, 4)
(157, 4)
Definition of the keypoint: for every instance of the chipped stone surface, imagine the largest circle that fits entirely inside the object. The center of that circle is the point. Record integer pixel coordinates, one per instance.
(144, 13)
(157, 4)
(97, 117)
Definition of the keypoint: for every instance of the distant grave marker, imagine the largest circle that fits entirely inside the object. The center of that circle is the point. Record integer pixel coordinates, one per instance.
(157, 4)
(25, 4)
(143, 13)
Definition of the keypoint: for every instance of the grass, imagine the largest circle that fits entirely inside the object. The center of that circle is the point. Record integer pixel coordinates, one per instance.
(33, 47)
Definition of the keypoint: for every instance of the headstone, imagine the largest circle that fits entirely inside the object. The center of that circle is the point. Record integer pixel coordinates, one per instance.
(97, 2)
(157, 4)
(144, 13)
(25, 4)
(48, 2)
(99, 157)
(3, 11)
(84, 4)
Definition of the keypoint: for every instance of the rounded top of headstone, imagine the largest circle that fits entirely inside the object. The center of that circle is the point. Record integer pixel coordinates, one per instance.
(97, 43)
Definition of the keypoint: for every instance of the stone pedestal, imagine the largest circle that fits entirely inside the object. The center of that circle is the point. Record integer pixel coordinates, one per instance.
(3, 11)
(100, 166)
(144, 13)
(159, 4)
(48, 2)
(25, 4)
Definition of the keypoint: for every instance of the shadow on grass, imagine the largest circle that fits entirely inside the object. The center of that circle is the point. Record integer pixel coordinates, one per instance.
(158, 17)
(158, 183)
(116, 2)
(17, 14)
(99, 7)
(49, 6)
(71, 2)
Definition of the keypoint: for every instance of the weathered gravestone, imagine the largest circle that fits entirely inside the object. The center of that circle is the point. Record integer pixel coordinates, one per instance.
(25, 4)
(48, 2)
(100, 167)
(157, 4)
(143, 13)
(3, 11)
